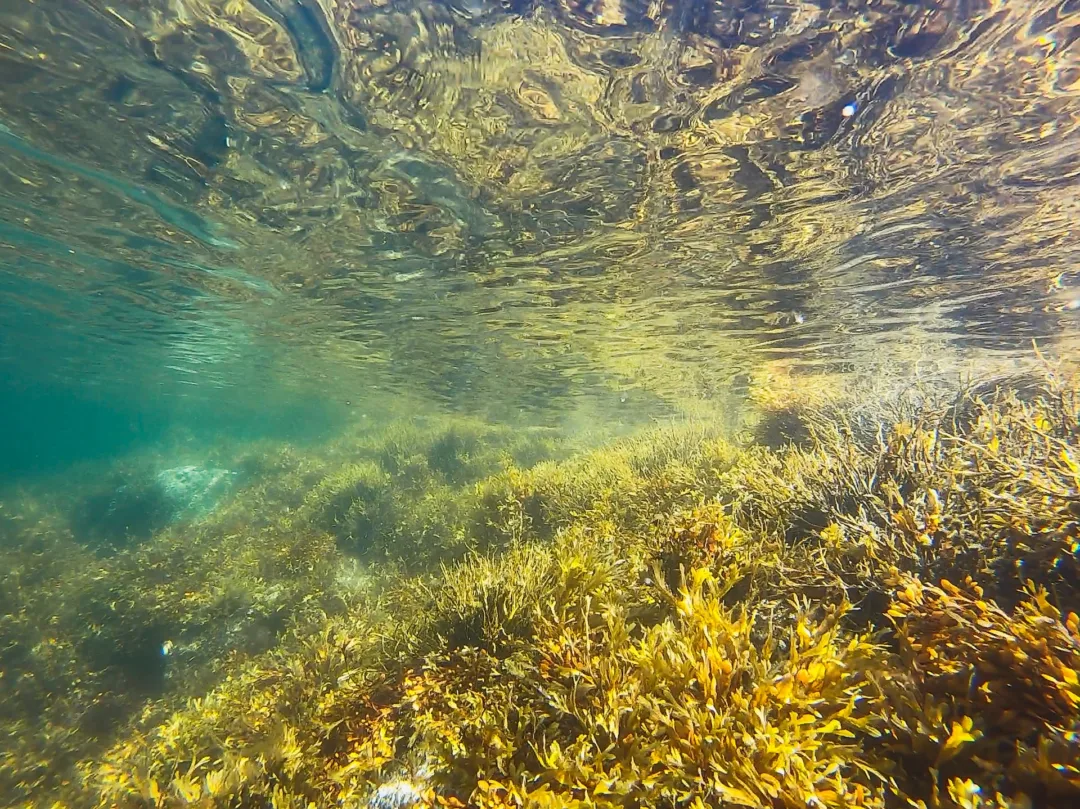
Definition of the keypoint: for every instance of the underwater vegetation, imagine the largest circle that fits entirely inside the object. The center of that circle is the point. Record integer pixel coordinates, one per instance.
(117, 591)
(882, 613)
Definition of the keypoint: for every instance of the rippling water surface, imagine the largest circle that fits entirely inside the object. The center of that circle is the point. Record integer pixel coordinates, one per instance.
(527, 201)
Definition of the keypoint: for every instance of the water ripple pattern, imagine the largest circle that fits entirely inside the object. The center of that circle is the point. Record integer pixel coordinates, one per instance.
(523, 199)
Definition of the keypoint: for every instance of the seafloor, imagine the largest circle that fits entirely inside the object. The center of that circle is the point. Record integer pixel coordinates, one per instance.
(844, 604)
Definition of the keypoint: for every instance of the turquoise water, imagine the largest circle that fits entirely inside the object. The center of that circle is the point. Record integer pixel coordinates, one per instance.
(254, 253)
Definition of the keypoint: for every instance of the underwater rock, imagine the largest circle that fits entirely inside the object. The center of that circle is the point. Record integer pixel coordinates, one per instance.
(395, 795)
(191, 491)
(134, 510)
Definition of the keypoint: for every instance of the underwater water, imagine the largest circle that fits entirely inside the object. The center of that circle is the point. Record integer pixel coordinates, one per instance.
(626, 403)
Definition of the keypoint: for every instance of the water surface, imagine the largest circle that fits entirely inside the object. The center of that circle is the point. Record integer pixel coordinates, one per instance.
(529, 202)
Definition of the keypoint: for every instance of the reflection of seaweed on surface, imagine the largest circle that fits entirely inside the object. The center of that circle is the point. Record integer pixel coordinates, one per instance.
(562, 153)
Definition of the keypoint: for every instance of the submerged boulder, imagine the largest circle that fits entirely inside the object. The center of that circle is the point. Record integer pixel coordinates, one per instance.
(192, 491)
(139, 506)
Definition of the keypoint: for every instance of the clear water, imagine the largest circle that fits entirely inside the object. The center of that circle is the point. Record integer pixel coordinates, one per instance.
(224, 221)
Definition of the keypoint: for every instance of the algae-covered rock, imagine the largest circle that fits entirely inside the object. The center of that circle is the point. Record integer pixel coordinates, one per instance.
(141, 505)
(191, 491)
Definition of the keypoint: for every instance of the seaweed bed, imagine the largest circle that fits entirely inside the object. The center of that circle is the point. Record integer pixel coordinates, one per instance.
(877, 610)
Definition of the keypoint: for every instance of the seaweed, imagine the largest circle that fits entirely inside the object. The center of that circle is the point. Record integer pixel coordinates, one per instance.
(406, 616)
